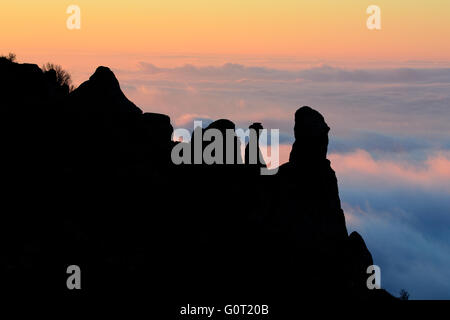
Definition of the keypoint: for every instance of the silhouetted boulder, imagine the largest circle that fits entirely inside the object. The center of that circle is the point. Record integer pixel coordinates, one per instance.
(102, 93)
(157, 127)
(311, 137)
(309, 203)
(224, 126)
(156, 143)
(311, 181)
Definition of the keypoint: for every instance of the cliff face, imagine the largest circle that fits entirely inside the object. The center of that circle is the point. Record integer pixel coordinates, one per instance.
(309, 202)
(90, 181)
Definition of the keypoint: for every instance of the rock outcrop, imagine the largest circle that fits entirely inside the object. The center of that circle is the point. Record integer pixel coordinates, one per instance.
(90, 181)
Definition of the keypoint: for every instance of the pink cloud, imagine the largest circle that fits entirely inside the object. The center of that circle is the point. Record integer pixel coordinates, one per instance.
(360, 166)
(187, 120)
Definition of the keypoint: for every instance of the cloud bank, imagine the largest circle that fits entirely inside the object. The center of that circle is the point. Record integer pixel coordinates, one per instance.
(403, 211)
(389, 145)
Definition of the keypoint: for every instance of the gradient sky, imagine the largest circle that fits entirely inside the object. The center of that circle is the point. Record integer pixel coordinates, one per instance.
(327, 29)
(385, 94)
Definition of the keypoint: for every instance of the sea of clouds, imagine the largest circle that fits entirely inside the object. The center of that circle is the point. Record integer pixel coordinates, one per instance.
(389, 146)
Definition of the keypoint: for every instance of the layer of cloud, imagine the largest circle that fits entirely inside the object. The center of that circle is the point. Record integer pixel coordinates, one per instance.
(417, 191)
(360, 166)
(393, 101)
(389, 145)
(408, 259)
(402, 209)
(323, 73)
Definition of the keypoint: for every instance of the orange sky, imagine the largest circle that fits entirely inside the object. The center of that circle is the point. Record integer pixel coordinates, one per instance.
(326, 29)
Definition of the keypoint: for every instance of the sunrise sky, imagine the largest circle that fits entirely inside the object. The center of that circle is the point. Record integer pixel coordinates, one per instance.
(326, 29)
(384, 93)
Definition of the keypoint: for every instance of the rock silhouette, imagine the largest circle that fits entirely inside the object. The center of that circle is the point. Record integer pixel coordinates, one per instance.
(88, 180)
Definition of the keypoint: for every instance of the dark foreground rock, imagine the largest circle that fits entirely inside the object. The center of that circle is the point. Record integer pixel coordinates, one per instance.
(88, 180)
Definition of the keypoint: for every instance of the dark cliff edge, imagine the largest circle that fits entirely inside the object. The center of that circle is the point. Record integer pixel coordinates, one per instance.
(87, 179)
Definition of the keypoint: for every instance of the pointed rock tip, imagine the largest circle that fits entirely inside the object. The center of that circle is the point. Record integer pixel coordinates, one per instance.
(356, 236)
(103, 74)
(357, 241)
